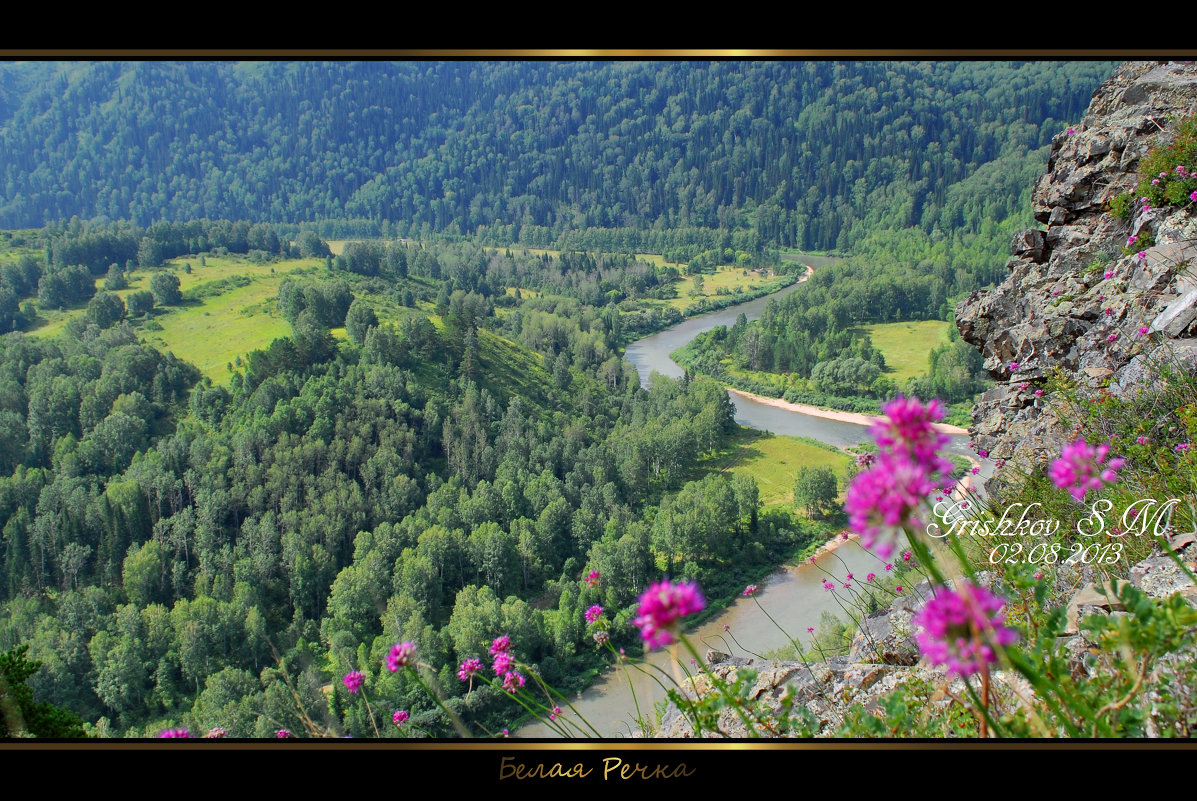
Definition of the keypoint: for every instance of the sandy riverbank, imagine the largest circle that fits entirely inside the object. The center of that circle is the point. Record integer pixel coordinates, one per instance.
(832, 414)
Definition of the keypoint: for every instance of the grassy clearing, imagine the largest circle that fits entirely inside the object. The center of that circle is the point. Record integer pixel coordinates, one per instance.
(774, 461)
(508, 370)
(728, 277)
(212, 331)
(906, 345)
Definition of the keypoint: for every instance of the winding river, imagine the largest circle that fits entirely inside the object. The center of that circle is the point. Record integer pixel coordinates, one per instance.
(794, 595)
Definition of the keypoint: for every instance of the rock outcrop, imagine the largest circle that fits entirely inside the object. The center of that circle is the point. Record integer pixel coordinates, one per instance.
(1057, 310)
(884, 655)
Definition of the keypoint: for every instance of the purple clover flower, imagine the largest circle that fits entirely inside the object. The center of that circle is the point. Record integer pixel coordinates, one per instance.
(1083, 467)
(961, 629)
(401, 655)
(594, 613)
(512, 681)
(469, 668)
(662, 606)
(354, 680)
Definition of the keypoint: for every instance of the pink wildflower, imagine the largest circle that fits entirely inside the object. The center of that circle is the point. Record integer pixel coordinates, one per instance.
(828, 586)
(1108, 274)
(1143, 331)
(1109, 312)
(870, 577)
(662, 606)
(960, 630)
(907, 556)
(216, 733)
(1112, 337)
(1071, 131)
(502, 663)
(1155, 181)
(469, 668)
(984, 454)
(402, 653)
(908, 429)
(1182, 447)
(865, 460)
(810, 629)
(400, 717)
(500, 645)
(174, 734)
(282, 734)
(888, 567)
(1193, 196)
(1038, 393)
(512, 681)
(1141, 440)
(594, 613)
(1013, 367)
(849, 576)
(898, 589)
(354, 680)
(593, 578)
(1082, 467)
(1038, 576)
(1141, 256)
(750, 590)
(887, 498)
(976, 470)
(1130, 240)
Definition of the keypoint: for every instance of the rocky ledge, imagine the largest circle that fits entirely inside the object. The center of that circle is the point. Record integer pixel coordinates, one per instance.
(1057, 309)
(884, 655)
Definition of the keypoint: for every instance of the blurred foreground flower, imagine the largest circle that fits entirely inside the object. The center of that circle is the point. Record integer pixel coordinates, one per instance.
(961, 630)
(1083, 467)
(662, 606)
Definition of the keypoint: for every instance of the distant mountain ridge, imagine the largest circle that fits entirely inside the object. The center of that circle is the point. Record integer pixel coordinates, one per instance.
(798, 154)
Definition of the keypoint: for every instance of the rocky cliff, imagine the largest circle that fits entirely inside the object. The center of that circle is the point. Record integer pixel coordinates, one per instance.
(1079, 292)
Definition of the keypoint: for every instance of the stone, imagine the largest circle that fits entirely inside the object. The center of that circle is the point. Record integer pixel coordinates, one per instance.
(1160, 577)
(1176, 318)
(1091, 600)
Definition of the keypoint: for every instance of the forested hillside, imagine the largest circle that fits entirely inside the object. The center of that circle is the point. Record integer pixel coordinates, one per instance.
(620, 155)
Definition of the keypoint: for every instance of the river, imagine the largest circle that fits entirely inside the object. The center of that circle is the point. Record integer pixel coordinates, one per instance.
(793, 595)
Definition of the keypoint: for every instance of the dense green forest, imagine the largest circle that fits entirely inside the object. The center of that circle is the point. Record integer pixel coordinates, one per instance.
(177, 551)
(615, 156)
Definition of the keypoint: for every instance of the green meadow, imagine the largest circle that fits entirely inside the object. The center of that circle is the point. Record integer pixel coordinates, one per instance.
(774, 461)
(906, 345)
(218, 320)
